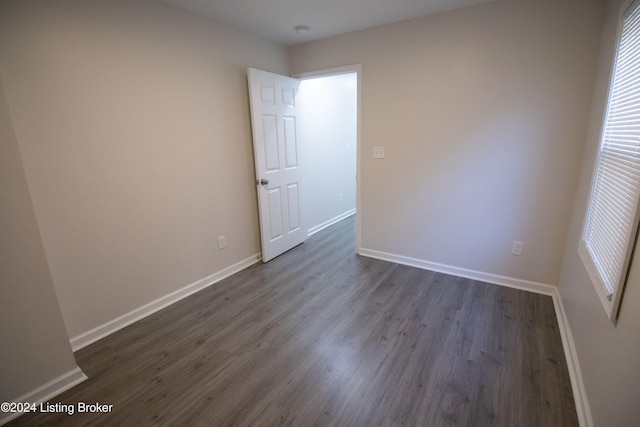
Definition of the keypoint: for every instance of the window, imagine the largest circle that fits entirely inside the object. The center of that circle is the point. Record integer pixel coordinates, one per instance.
(611, 222)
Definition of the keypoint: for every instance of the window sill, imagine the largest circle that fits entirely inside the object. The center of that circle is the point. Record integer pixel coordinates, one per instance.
(604, 295)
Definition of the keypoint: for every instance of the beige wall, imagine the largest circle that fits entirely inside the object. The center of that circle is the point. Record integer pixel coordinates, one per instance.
(132, 119)
(35, 348)
(483, 113)
(609, 355)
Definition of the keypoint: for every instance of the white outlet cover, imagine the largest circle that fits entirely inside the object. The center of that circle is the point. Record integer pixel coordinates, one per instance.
(516, 247)
(378, 152)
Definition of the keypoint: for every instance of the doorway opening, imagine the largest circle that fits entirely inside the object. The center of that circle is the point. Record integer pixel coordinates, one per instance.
(329, 106)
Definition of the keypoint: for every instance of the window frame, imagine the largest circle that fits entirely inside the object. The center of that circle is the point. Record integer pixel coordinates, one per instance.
(611, 301)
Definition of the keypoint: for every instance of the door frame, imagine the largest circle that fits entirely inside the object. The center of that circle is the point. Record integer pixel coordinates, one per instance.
(347, 69)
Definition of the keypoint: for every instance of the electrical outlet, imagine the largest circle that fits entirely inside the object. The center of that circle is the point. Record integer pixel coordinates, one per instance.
(340, 197)
(378, 152)
(222, 242)
(516, 248)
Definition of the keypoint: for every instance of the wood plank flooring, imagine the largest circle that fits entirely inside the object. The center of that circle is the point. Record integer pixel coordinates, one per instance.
(322, 337)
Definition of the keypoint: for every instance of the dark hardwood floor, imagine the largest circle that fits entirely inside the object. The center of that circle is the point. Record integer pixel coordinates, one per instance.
(323, 337)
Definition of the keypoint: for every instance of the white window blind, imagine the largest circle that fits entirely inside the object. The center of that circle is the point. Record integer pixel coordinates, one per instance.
(612, 217)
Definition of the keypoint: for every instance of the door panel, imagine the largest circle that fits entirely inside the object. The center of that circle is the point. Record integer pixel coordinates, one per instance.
(270, 141)
(275, 214)
(277, 148)
(294, 206)
(290, 141)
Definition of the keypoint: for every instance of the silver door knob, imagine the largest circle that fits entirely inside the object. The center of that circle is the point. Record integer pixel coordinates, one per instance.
(264, 181)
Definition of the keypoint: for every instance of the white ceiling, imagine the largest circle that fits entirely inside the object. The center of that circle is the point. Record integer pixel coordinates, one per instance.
(275, 20)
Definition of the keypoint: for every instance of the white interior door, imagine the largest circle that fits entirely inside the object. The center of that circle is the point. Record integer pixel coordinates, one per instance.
(276, 147)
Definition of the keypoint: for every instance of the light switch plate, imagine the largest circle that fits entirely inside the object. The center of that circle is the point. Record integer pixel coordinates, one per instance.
(378, 152)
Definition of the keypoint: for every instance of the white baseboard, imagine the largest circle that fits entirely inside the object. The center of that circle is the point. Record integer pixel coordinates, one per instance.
(46, 392)
(575, 373)
(127, 319)
(320, 227)
(511, 282)
(573, 365)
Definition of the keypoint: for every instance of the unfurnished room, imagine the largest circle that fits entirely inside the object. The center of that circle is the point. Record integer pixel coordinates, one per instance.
(336, 213)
